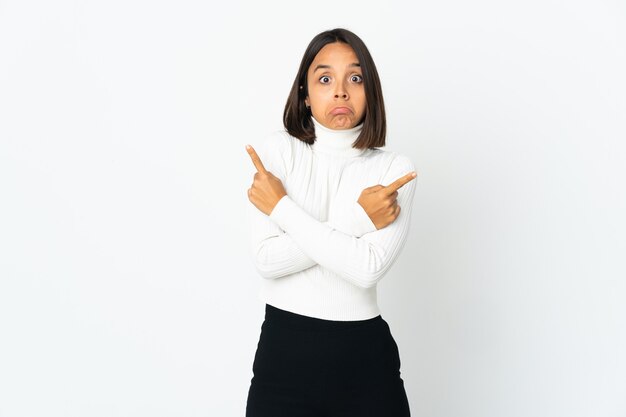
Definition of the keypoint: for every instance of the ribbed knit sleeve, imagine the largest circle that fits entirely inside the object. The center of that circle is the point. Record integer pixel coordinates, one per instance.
(362, 261)
(352, 219)
(274, 252)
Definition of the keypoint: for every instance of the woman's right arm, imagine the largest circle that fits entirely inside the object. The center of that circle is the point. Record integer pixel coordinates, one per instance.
(275, 254)
(362, 261)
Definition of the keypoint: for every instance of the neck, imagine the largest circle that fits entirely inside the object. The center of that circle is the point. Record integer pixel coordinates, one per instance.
(336, 142)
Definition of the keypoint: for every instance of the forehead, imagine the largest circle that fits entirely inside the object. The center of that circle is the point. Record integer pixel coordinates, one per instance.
(335, 54)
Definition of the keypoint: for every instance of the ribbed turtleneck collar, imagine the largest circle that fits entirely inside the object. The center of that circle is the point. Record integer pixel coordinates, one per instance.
(337, 142)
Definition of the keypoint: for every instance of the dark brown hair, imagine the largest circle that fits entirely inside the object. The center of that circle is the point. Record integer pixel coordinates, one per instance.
(297, 118)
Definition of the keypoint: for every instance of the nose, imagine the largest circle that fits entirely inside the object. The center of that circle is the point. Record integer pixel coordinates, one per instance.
(340, 91)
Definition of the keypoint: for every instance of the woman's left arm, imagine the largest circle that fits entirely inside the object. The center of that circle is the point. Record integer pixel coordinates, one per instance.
(275, 254)
(361, 260)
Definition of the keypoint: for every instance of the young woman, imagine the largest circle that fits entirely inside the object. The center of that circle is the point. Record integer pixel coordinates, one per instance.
(326, 226)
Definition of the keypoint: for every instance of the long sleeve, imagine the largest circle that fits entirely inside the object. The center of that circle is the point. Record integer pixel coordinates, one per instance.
(362, 261)
(352, 219)
(274, 252)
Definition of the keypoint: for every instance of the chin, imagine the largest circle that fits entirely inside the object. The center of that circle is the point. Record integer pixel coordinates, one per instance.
(343, 125)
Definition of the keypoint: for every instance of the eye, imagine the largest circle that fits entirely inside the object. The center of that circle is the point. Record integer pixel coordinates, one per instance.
(356, 78)
(325, 79)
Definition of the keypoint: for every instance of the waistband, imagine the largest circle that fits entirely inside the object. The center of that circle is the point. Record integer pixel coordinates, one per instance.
(301, 322)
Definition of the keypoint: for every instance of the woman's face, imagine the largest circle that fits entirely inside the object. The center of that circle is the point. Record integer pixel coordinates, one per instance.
(336, 91)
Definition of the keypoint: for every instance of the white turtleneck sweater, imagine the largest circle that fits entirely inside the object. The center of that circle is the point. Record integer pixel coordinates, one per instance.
(318, 251)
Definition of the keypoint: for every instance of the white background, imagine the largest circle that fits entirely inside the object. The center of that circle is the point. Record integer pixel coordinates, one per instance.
(126, 288)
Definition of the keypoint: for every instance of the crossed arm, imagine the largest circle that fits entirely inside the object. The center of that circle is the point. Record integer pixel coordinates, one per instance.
(275, 252)
(289, 239)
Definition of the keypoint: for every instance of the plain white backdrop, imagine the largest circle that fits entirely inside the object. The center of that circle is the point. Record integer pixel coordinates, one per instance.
(126, 285)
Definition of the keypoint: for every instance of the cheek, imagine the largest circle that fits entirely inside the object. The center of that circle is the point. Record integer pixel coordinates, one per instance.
(317, 95)
(359, 95)
(362, 102)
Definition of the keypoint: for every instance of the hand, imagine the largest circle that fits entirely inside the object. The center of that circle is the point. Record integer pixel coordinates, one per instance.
(266, 190)
(379, 202)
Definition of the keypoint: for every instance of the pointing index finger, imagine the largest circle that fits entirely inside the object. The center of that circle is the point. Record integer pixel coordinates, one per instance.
(255, 159)
(394, 186)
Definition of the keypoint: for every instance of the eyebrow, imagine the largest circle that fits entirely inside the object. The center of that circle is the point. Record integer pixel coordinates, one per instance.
(320, 66)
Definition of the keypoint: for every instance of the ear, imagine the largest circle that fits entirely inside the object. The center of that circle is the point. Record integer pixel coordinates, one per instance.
(306, 101)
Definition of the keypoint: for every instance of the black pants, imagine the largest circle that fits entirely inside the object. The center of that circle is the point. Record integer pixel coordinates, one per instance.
(309, 367)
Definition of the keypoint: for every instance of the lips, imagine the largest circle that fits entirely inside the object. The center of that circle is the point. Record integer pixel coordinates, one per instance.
(341, 110)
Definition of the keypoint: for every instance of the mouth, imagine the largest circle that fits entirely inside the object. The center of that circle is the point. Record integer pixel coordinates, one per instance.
(341, 110)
